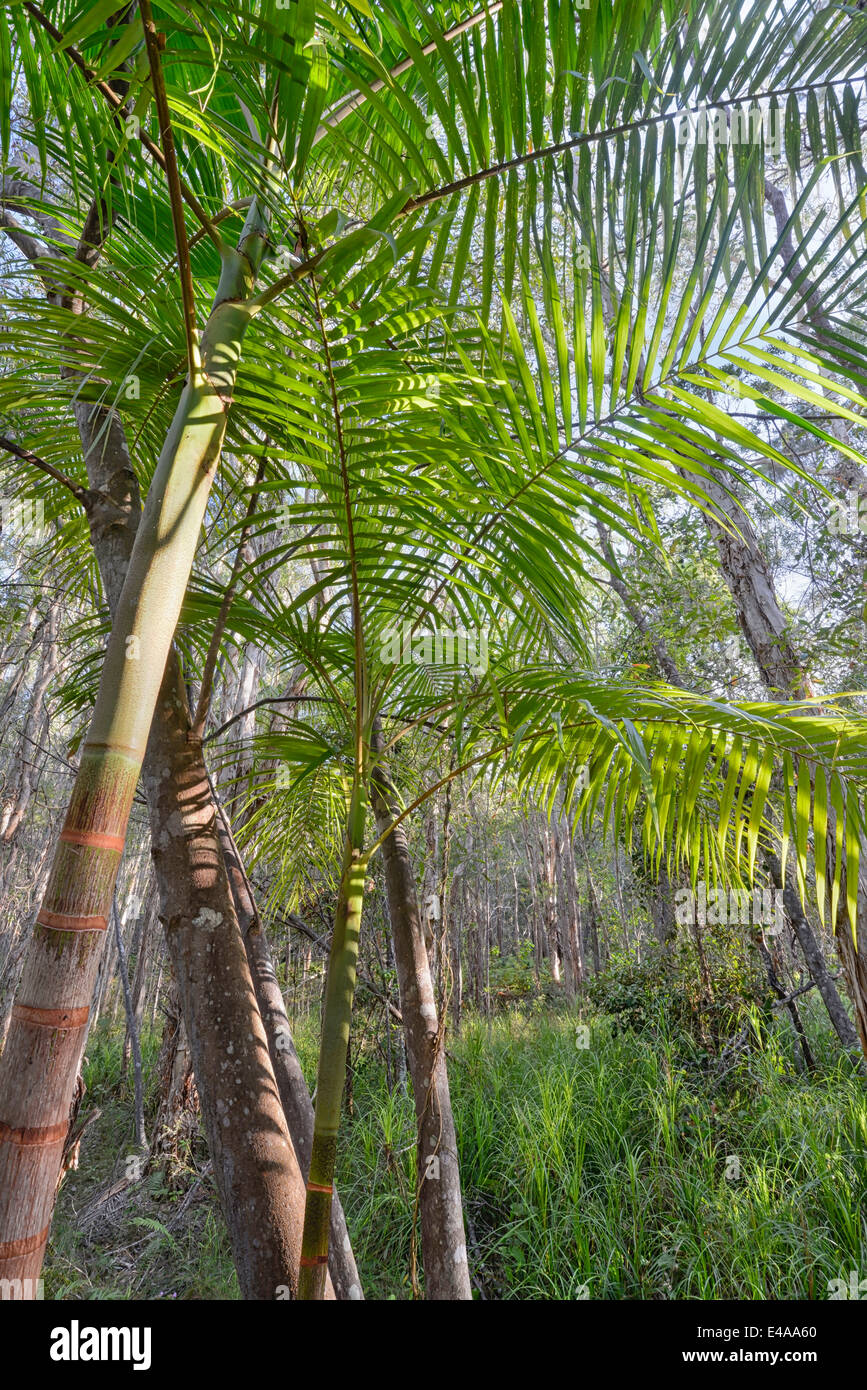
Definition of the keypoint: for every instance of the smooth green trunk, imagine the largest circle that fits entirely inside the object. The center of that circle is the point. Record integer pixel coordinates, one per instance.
(331, 1075)
(43, 1048)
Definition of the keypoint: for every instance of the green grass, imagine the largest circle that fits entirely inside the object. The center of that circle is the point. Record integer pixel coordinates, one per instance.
(597, 1172)
(141, 1246)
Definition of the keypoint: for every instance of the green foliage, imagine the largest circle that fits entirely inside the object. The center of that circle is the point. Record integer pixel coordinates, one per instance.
(515, 312)
(663, 995)
(526, 309)
(512, 977)
(597, 1172)
(133, 1245)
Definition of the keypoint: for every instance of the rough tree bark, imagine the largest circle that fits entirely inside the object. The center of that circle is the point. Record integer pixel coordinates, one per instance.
(255, 1176)
(444, 1249)
(268, 1182)
(763, 624)
(294, 1093)
(255, 1166)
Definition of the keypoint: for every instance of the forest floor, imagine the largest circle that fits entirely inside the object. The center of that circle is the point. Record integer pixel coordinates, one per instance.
(628, 1167)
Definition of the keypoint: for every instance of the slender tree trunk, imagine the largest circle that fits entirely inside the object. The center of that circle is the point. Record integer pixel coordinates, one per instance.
(804, 1056)
(142, 963)
(854, 963)
(52, 1006)
(255, 1167)
(456, 1001)
(444, 1249)
(563, 909)
(444, 894)
(133, 954)
(140, 1136)
(157, 986)
(552, 926)
(177, 1115)
(817, 965)
(294, 1094)
(592, 912)
(331, 1075)
(574, 944)
(664, 919)
(431, 898)
(532, 876)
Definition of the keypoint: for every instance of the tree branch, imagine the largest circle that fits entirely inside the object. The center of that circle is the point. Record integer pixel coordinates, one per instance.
(154, 43)
(81, 494)
(27, 243)
(23, 196)
(593, 137)
(347, 105)
(269, 700)
(116, 103)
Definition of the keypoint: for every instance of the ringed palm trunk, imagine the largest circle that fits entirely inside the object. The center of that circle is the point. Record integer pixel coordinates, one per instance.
(294, 1094)
(333, 1045)
(443, 1240)
(191, 898)
(49, 1018)
(261, 1192)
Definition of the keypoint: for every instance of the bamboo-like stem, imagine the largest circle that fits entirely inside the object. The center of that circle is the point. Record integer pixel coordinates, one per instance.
(203, 704)
(331, 1074)
(343, 957)
(52, 1005)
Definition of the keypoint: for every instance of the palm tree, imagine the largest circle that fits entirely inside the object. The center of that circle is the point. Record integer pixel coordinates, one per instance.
(492, 323)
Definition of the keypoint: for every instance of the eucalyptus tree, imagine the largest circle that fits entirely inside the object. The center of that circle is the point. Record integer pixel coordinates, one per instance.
(434, 466)
(438, 1190)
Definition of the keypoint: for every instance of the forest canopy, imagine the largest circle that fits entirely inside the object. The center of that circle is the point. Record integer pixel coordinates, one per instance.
(432, 477)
